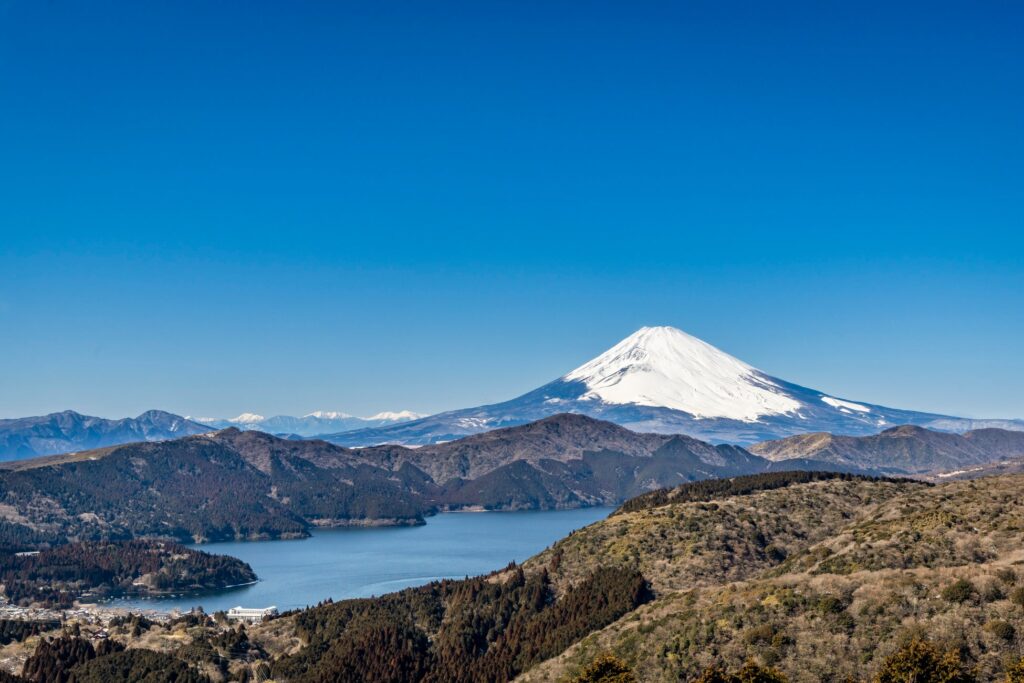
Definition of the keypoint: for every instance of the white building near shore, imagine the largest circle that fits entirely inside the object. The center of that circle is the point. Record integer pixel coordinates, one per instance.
(252, 615)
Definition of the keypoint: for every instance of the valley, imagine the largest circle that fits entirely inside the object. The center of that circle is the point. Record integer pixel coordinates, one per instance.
(798, 577)
(233, 485)
(362, 562)
(246, 485)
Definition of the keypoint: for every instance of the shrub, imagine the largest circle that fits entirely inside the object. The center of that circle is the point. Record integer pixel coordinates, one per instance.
(762, 634)
(606, 668)
(1017, 596)
(714, 674)
(960, 591)
(1015, 673)
(921, 662)
(1007, 576)
(830, 604)
(750, 673)
(1001, 630)
(992, 592)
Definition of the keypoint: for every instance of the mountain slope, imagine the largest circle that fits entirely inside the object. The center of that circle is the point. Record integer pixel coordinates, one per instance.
(821, 577)
(247, 484)
(220, 486)
(905, 449)
(888, 562)
(26, 437)
(663, 380)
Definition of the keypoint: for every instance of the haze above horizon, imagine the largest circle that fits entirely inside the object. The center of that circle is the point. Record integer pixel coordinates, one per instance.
(282, 208)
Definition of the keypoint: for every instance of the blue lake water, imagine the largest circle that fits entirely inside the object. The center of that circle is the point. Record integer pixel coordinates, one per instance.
(350, 563)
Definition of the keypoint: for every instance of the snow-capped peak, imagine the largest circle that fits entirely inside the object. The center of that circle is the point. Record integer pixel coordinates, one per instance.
(396, 416)
(328, 414)
(247, 418)
(665, 367)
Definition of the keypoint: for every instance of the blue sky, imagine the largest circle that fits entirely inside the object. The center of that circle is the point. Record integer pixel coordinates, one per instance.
(283, 207)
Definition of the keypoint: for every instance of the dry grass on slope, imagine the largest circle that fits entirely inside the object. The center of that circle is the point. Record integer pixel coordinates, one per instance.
(957, 524)
(683, 545)
(945, 563)
(813, 628)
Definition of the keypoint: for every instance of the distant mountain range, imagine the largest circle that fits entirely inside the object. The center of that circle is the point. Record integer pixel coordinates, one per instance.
(313, 424)
(70, 431)
(251, 485)
(662, 380)
(658, 380)
(900, 450)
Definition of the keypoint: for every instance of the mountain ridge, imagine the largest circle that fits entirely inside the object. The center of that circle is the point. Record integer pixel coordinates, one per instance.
(235, 484)
(69, 430)
(906, 449)
(824, 581)
(246, 484)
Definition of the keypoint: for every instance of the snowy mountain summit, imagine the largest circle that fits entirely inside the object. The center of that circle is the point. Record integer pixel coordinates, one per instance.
(660, 379)
(664, 367)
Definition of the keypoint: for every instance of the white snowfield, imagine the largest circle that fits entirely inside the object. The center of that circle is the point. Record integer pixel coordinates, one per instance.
(328, 414)
(247, 418)
(667, 368)
(399, 415)
(838, 403)
(254, 419)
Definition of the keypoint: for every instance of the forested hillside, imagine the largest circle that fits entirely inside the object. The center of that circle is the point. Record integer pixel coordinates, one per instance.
(250, 485)
(93, 571)
(193, 489)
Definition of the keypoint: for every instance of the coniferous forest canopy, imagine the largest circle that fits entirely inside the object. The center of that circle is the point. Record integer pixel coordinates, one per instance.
(58, 576)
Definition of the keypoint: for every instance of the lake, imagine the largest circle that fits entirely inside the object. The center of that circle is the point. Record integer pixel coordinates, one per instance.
(354, 563)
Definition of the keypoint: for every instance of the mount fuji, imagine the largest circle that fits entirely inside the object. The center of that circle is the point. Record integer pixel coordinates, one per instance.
(660, 379)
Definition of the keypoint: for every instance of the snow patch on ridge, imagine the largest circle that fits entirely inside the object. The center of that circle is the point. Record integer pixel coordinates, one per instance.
(247, 418)
(667, 368)
(837, 403)
(399, 415)
(328, 414)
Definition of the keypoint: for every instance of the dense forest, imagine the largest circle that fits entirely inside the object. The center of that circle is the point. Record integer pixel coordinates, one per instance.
(70, 659)
(17, 630)
(486, 628)
(192, 489)
(58, 576)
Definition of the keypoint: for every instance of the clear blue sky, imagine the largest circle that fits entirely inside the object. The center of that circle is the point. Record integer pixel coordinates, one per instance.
(281, 207)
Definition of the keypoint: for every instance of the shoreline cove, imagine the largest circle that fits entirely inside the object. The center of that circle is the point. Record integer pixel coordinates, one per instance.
(354, 562)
